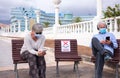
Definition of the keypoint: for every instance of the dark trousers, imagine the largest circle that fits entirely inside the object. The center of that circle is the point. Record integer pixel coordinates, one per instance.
(98, 51)
(37, 65)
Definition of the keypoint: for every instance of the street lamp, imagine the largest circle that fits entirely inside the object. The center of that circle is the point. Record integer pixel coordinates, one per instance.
(56, 3)
(99, 14)
(26, 23)
(37, 15)
(99, 9)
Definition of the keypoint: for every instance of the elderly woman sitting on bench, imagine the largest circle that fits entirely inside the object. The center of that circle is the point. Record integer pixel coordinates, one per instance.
(32, 51)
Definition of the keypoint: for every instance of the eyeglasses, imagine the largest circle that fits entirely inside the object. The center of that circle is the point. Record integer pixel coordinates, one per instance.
(38, 32)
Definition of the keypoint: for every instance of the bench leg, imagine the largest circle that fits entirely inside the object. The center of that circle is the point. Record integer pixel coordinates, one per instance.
(75, 65)
(16, 71)
(76, 68)
(116, 71)
(57, 69)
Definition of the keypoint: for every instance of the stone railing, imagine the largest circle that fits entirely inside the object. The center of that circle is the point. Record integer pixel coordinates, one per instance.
(84, 27)
(82, 31)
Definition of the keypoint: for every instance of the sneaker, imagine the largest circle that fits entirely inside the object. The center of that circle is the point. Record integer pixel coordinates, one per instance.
(107, 58)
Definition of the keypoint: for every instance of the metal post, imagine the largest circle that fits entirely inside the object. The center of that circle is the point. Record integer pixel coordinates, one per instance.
(57, 69)
(16, 71)
(117, 71)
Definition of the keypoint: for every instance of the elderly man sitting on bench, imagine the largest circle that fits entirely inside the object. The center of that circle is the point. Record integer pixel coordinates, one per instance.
(103, 45)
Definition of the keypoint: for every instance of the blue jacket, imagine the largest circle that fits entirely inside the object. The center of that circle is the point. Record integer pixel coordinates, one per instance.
(112, 39)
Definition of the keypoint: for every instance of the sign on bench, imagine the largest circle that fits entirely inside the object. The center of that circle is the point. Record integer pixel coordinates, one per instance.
(65, 46)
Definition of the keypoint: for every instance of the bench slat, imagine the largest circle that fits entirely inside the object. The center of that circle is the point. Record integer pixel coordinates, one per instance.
(16, 47)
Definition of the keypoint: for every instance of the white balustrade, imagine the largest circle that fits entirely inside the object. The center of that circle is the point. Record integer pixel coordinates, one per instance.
(76, 28)
(115, 25)
(84, 27)
(82, 31)
(112, 24)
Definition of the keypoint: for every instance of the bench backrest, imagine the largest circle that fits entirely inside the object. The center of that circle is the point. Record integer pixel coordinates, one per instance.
(65, 48)
(117, 52)
(16, 47)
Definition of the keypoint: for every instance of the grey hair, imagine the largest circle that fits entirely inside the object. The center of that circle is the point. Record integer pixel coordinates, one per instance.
(101, 22)
(37, 27)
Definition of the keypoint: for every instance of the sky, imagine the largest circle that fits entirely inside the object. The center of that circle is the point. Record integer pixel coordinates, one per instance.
(77, 7)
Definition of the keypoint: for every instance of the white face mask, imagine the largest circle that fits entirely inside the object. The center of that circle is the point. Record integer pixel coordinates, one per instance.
(37, 35)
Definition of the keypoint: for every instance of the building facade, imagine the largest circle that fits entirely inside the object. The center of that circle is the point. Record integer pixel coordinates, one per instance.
(23, 18)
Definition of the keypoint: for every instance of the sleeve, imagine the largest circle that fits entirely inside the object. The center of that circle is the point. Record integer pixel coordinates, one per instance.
(29, 46)
(114, 42)
(41, 45)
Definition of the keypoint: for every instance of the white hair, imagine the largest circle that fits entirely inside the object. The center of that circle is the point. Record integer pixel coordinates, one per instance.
(37, 27)
(101, 22)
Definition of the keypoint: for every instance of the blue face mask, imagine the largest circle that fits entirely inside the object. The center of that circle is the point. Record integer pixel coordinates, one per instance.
(37, 35)
(102, 30)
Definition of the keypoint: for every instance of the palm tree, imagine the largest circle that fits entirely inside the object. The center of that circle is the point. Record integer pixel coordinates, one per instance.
(113, 12)
(77, 19)
(46, 24)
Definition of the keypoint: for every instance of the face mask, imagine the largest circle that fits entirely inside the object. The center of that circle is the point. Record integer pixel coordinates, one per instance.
(102, 30)
(37, 35)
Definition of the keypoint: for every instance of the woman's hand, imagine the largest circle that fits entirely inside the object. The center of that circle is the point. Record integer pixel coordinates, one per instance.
(44, 53)
(40, 53)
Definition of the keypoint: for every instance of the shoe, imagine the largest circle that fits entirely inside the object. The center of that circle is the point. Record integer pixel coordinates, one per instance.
(107, 58)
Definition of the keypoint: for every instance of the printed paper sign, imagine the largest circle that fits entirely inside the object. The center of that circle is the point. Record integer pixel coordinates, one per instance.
(65, 46)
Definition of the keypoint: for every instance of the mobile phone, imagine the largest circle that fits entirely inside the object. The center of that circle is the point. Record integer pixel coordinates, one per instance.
(108, 38)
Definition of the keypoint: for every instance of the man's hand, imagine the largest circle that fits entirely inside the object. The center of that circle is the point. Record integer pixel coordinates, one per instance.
(103, 42)
(108, 42)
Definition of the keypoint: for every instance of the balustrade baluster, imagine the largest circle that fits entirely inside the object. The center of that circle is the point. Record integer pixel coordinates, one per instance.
(115, 25)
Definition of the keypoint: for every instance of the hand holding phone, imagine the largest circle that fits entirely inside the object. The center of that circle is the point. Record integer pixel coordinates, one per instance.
(42, 52)
(107, 38)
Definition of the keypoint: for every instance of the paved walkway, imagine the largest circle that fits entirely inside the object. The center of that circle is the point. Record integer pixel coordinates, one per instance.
(66, 68)
(5, 52)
